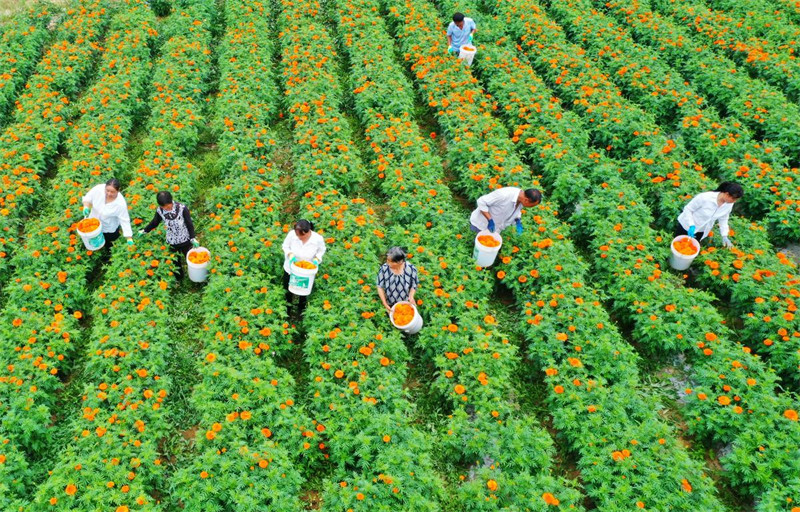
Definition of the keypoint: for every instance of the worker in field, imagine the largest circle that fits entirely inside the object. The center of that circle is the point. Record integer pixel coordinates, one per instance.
(503, 207)
(178, 225)
(105, 203)
(700, 214)
(460, 32)
(397, 279)
(302, 244)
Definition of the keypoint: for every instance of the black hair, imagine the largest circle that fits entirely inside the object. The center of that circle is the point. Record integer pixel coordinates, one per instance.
(458, 17)
(533, 195)
(304, 226)
(732, 188)
(114, 182)
(163, 198)
(396, 254)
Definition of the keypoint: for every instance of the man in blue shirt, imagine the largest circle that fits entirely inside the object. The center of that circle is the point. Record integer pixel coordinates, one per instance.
(459, 32)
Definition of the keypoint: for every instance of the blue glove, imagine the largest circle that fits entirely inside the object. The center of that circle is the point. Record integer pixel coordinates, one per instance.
(315, 261)
(451, 51)
(520, 229)
(491, 225)
(195, 243)
(86, 211)
(726, 242)
(691, 231)
(470, 39)
(130, 241)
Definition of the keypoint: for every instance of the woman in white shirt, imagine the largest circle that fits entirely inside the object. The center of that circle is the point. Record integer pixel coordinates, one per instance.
(699, 216)
(302, 243)
(104, 202)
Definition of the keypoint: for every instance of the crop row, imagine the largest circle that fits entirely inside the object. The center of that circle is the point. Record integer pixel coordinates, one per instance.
(253, 437)
(787, 357)
(115, 461)
(357, 365)
(663, 193)
(616, 221)
(766, 296)
(765, 110)
(724, 147)
(39, 123)
(21, 46)
(509, 456)
(600, 439)
(48, 293)
(737, 35)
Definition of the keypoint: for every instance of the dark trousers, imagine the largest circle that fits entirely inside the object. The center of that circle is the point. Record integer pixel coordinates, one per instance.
(111, 238)
(302, 299)
(183, 249)
(680, 231)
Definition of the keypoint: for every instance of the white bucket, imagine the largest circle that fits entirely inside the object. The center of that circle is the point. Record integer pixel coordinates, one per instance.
(467, 53)
(94, 240)
(485, 256)
(414, 326)
(680, 261)
(198, 272)
(301, 280)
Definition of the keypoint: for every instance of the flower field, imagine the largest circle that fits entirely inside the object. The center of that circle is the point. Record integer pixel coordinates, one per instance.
(579, 372)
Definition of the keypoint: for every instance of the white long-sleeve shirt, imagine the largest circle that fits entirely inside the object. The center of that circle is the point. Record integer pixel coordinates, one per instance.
(112, 215)
(702, 211)
(313, 248)
(502, 205)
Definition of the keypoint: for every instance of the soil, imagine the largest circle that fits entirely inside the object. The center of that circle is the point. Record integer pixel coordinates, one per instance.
(793, 251)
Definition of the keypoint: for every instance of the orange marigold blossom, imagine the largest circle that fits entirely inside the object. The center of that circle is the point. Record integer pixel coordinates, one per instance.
(403, 314)
(305, 264)
(88, 225)
(488, 241)
(685, 246)
(199, 257)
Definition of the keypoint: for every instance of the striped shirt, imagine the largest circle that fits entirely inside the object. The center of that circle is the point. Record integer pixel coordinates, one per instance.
(397, 286)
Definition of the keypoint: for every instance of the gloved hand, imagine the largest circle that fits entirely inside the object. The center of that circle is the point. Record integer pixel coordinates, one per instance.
(195, 243)
(130, 241)
(86, 211)
(141, 232)
(452, 51)
(726, 242)
(520, 229)
(691, 231)
(491, 225)
(315, 261)
(292, 258)
(470, 39)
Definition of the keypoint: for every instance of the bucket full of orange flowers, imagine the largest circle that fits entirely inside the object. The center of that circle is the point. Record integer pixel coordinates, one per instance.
(91, 233)
(197, 260)
(301, 279)
(487, 245)
(404, 316)
(684, 250)
(467, 53)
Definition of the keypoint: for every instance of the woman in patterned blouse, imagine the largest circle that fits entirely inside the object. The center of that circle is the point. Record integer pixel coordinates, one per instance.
(397, 280)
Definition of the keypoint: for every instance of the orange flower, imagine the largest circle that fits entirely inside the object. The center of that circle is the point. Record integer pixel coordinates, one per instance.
(305, 264)
(550, 499)
(790, 414)
(198, 257)
(685, 246)
(71, 489)
(403, 314)
(88, 225)
(488, 241)
(492, 485)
